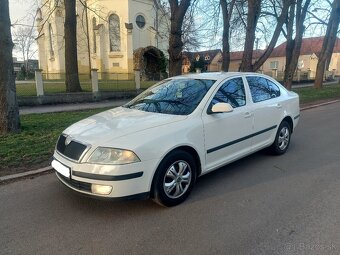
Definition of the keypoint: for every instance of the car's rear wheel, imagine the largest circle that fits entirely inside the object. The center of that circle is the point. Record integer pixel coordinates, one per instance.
(282, 139)
(174, 178)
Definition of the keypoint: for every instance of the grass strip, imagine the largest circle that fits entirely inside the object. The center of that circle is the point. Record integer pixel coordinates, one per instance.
(33, 146)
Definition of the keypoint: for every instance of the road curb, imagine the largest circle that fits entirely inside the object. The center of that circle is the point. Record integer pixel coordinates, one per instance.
(318, 105)
(25, 174)
(49, 168)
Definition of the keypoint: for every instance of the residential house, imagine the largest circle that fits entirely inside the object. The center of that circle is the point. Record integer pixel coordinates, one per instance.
(236, 59)
(275, 64)
(308, 60)
(206, 61)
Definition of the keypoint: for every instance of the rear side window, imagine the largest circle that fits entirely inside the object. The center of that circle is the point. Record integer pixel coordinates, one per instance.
(232, 92)
(262, 89)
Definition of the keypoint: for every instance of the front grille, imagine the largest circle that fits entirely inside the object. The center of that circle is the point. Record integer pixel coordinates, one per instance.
(73, 150)
(84, 186)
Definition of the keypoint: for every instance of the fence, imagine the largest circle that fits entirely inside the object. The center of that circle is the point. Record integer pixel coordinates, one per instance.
(300, 75)
(53, 83)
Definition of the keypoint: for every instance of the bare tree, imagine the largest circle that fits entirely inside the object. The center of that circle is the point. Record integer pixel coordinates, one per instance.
(257, 11)
(71, 56)
(227, 12)
(178, 11)
(24, 40)
(9, 111)
(280, 19)
(297, 13)
(328, 43)
(254, 10)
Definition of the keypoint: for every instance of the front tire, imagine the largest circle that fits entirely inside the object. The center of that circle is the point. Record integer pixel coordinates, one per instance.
(282, 139)
(174, 178)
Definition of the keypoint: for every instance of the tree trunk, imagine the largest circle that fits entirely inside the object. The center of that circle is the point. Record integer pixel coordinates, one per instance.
(254, 9)
(71, 60)
(226, 13)
(9, 111)
(280, 21)
(175, 37)
(328, 44)
(293, 46)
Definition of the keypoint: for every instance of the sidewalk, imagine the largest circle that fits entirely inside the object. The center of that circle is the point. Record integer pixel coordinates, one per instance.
(71, 107)
(304, 85)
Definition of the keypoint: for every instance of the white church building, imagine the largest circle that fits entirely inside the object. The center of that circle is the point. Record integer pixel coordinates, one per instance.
(113, 36)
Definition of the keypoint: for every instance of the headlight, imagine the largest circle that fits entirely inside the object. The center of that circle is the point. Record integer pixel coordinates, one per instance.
(112, 156)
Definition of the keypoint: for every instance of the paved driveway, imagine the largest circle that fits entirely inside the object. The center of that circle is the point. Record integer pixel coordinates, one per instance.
(258, 205)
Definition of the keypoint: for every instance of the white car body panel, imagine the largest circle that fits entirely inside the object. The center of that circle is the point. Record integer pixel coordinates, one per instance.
(218, 139)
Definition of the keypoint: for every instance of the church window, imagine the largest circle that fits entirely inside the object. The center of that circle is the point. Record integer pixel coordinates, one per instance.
(140, 21)
(94, 25)
(114, 32)
(50, 33)
(39, 15)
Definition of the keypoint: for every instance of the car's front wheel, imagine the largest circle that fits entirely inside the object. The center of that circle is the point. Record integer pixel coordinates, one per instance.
(174, 178)
(282, 139)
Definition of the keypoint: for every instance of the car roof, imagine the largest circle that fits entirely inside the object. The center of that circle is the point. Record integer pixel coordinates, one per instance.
(213, 75)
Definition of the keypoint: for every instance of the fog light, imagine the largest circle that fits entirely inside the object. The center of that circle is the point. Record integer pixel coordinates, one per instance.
(101, 189)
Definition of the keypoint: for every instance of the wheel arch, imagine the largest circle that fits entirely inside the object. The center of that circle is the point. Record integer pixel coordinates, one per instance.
(187, 149)
(289, 120)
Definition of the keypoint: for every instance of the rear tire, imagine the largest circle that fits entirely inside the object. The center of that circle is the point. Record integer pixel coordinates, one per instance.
(282, 139)
(174, 178)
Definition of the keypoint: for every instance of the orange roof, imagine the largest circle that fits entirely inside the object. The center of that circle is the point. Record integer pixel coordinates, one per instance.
(308, 47)
(237, 55)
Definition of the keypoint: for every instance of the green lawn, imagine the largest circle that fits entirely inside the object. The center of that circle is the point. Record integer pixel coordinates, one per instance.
(34, 146)
(309, 94)
(28, 89)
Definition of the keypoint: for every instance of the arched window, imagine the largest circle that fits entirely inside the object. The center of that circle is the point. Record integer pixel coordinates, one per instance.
(39, 15)
(114, 32)
(94, 26)
(50, 34)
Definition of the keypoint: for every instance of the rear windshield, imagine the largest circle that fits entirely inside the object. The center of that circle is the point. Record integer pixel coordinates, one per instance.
(173, 96)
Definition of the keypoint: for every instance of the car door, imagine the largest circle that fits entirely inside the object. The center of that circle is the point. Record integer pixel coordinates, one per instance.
(227, 134)
(267, 109)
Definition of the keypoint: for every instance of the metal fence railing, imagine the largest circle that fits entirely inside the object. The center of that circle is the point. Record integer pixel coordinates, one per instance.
(26, 88)
(53, 83)
(116, 81)
(298, 75)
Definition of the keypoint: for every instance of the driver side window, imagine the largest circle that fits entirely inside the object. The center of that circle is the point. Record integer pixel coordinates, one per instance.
(232, 92)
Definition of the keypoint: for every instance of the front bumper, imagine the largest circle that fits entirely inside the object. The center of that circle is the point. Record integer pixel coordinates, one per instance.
(127, 181)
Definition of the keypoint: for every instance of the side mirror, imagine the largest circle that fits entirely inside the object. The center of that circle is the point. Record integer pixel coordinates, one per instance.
(221, 107)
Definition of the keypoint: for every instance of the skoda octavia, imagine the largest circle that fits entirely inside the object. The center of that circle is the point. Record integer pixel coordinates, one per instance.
(159, 143)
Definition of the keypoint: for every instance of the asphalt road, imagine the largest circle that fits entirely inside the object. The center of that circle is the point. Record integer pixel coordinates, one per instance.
(259, 205)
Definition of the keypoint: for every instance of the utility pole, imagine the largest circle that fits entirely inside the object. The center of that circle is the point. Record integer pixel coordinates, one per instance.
(257, 43)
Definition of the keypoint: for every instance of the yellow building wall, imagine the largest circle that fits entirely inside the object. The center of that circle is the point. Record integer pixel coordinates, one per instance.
(99, 57)
(234, 65)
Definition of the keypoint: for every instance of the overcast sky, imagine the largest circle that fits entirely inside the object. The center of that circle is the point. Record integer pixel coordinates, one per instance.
(21, 12)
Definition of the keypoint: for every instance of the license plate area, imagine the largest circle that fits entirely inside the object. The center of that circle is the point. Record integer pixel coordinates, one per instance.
(62, 169)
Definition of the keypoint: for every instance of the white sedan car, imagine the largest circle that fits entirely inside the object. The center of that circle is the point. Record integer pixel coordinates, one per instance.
(181, 128)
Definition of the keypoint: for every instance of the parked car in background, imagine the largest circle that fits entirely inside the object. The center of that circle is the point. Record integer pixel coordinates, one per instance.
(159, 143)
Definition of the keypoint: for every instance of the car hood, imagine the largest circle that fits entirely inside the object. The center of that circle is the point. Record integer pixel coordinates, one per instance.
(101, 128)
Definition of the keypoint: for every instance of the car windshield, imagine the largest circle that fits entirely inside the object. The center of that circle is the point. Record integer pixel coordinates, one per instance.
(174, 96)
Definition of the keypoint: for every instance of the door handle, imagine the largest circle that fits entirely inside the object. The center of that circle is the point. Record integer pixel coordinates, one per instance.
(248, 115)
(279, 106)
